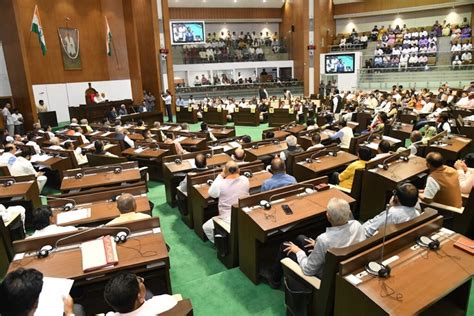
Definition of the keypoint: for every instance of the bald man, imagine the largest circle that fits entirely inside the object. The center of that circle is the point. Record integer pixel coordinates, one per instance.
(442, 184)
(279, 178)
(228, 187)
(127, 206)
(239, 156)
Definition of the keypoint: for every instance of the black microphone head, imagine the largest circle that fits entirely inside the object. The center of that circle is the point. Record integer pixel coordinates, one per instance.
(209, 182)
(384, 271)
(177, 161)
(385, 166)
(248, 174)
(333, 153)
(79, 175)
(208, 155)
(117, 170)
(255, 146)
(9, 183)
(309, 160)
(275, 141)
(115, 197)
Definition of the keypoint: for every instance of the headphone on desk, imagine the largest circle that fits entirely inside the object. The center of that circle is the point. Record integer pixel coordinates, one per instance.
(44, 251)
(265, 204)
(117, 170)
(9, 183)
(428, 242)
(177, 161)
(79, 175)
(121, 237)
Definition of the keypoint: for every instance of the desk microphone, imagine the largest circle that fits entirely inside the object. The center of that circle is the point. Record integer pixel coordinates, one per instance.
(120, 237)
(66, 207)
(374, 267)
(309, 188)
(330, 152)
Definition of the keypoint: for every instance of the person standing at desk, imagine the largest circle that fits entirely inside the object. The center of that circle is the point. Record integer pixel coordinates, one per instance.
(90, 94)
(279, 178)
(228, 187)
(8, 119)
(167, 98)
(41, 107)
(442, 184)
(402, 209)
(127, 206)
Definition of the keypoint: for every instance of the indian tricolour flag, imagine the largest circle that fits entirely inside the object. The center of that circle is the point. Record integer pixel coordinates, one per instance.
(38, 29)
(108, 38)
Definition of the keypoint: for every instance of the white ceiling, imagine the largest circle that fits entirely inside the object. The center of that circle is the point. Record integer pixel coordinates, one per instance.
(226, 3)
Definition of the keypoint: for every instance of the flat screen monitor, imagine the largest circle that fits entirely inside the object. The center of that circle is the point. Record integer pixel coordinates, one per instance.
(340, 63)
(183, 32)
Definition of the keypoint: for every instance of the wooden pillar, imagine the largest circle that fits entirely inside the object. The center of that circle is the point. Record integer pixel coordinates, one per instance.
(167, 44)
(132, 51)
(324, 29)
(17, 61)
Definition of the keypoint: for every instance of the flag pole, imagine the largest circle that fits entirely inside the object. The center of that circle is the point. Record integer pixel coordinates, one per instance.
(115, 53)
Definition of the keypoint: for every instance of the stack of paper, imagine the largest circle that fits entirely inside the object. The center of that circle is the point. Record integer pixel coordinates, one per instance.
(71, 216)
(98, 254)
(51, 297)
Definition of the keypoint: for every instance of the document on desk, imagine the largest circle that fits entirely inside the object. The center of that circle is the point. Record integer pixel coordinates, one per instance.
(71, 216)
(99, 253)
(50, 301)
(39, 158)
(106, 134)
(139, 150)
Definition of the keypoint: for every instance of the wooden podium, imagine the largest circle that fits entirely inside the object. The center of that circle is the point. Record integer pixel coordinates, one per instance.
(48, 118)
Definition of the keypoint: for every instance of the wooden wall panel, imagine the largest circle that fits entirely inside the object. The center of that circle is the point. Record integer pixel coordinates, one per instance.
(17, 63)
(379, 5)
(324, 30)
(88, 17)
(224, 13)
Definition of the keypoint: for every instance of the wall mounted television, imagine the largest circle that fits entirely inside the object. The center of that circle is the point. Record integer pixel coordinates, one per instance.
(187, 32)
(339, 63)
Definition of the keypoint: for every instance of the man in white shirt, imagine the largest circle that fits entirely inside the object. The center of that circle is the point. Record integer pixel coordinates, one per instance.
(228, 187)
(402, 209)
(8, 119)
(22, 166)
(80, 158)
(343, 233)
(466, 175)
(466, 57)
(43, 223)
(31, 142)
(316, 140)
(126, 294)
(55, 144)
(344, 135)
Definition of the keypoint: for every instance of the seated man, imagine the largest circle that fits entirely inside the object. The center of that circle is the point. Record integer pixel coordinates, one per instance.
(442, 184)
(99, 149)
(127, 206)
(279, 178)
(345, 178)
(121, 134)
(20, 291)
(80, 158)
(125, 293)
(228, 187)
(200, 162)
(316, 140)
(31, 142)
(55, 143)
(383, 150)
(344, 135)
(343, 233)
(293, 147)
(465, 173)
(239, 156)
(22, 166)
(402, 209)
(43, 223)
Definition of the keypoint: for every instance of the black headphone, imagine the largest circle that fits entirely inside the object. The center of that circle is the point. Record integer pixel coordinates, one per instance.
(208, 155)
(9, 183)
(68, 206)
(378, 269)
(428, 242)
(117, 170)
(233, 170)
(248, 174)
(309, 160)
(79, 175)
(177, 161)
(255, 146)
(209, 182)
(44, 251)
(265, 204)
(404, 158)
(121, 237)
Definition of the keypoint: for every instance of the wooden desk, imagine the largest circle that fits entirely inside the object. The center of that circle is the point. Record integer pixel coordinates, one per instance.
(148, 117)
(193, 144)
(401, 132)
(89, 286)
(59, 164)
(186, 115)
(279, 117)
(214, 115)
(256, 232)
(265, 150)
(96, 112)
(105, 211)
(28, 190)
(305, 140)
(153, 153)
(322, 166)
(171, 169)
(277, 133)
(379, 183)
(246, 116)
(99, 179)
(296, 129)
(152, 158)
(363, 118)
(431, 284)
(222, 131)
(451, 148)
(201, 199)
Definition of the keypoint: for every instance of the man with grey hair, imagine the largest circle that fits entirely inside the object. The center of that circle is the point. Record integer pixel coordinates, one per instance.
(121, 135)
(293, 147)
(127, 207)
(55, 143)
(344, 232)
